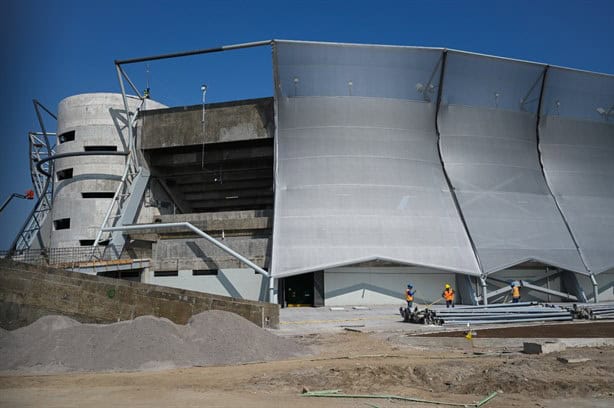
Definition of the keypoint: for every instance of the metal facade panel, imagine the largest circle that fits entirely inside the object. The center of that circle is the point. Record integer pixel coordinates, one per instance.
(577, 144)
(487, 124)
(358, 176)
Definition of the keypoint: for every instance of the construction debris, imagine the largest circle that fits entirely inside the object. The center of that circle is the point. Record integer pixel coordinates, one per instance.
(352, 327)
(593, 311)
(542, 348)
(336, 394)
(566, 360)
(414, 316)
(352, 330)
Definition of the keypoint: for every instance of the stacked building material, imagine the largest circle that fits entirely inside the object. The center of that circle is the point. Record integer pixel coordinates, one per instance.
(499, 313)
(593, 311)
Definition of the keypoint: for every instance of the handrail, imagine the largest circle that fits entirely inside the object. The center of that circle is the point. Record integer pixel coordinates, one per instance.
(74, 154)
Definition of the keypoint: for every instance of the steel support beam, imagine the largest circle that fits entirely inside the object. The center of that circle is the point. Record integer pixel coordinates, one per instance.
(178, 201)
(130, 83)
(465, 289)
(8, 200)
(485, 291)
(130, 208)
(44, 186)
(272, 292)
(131, 144)
(491, 294)
(74, 154)
(536, 288)
(541, 164)
(595, 288)
(197, 231)
(194, 52)
(442, 77)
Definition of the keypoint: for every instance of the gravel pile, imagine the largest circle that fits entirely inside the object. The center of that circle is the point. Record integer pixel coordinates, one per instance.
(59, 344)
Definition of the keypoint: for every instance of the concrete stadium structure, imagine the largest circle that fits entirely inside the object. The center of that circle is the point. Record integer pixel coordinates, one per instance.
(370, 167)
(85, 185)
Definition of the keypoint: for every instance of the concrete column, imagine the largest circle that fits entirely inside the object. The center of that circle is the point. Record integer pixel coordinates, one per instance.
(87, 122)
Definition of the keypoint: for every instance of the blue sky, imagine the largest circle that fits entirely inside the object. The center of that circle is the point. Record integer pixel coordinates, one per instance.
(54, 49)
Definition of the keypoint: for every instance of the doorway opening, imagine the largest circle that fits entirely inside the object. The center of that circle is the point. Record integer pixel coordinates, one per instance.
(306, 290)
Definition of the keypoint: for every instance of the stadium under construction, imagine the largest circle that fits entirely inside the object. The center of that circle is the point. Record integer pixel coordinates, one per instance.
(369, 167)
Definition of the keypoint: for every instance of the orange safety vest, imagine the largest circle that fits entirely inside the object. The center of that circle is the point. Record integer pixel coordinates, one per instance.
(409, 297)
(448, 294)
(515, 292)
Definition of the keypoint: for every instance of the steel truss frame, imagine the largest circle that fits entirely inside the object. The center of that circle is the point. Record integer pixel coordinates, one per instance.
(40, 148)
(134, 166)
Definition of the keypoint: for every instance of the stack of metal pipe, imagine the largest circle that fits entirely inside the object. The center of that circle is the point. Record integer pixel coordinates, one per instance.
(499, 313)
(594, 311)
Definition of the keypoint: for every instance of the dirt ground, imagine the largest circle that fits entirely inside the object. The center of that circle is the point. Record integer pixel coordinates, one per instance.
(551, 331)
(353, 362)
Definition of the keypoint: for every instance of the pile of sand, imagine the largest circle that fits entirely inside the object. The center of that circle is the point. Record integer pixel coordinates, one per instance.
(58, 343)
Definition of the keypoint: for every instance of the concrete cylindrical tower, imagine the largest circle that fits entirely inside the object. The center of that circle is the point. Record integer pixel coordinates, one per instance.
(85, 185)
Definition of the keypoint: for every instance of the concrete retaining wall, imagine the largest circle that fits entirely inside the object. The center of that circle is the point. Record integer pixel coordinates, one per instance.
(198, 253)
(28, 292)
(238, 283)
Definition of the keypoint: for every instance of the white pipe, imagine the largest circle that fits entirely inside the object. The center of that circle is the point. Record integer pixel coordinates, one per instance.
(484, 294)
(196, 231)
(272, 293)
(595, 288)
(536, 288)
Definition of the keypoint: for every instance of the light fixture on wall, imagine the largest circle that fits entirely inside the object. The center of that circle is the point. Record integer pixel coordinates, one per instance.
(605, 113)
(295, 81)
(557, 105)
(425, 90)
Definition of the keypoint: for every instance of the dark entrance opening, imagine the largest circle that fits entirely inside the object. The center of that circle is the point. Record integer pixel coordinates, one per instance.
(131, 275)
(298, 290)
(304, 290)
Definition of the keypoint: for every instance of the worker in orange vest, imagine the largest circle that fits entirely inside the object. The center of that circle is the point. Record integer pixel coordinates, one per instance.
(448, 295)
(515, 292)
(409, 296)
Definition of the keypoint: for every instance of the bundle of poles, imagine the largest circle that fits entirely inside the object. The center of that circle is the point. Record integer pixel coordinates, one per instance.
(593, 311)
(499, 313)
